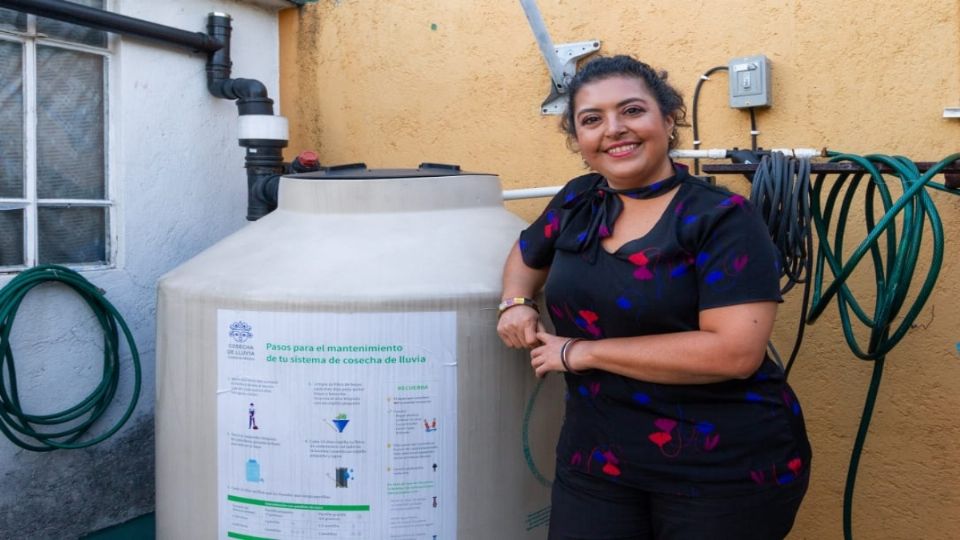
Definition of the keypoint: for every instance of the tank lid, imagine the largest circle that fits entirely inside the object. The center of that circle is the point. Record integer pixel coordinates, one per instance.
(359, 171)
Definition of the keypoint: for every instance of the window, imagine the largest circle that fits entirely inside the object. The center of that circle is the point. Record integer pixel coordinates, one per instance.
(55, 205)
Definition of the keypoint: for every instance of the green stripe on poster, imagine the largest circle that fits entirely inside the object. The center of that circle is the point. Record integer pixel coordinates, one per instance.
(301, 506)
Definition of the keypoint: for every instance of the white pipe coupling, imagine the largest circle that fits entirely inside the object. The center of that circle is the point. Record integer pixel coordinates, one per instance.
(263, 126)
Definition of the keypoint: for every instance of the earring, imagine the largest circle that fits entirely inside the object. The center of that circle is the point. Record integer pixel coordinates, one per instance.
(672, 136)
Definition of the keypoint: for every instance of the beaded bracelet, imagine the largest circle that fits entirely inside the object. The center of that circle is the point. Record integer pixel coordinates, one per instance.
(508, 303)
(563, 355)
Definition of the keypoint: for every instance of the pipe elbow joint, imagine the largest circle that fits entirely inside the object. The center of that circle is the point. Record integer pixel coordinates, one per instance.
(265, 189)
(216, 87)
(249, 88)
(250, 94)
(227, 88)
(263, 196)
(252, 97)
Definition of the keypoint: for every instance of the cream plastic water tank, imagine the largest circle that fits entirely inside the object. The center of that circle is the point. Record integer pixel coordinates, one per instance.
(333, 371)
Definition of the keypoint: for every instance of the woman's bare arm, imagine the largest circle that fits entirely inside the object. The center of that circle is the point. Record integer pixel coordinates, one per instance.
(518, 325)
(730, 344)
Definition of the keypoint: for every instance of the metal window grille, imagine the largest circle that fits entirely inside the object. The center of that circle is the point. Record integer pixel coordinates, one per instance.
(55, 201)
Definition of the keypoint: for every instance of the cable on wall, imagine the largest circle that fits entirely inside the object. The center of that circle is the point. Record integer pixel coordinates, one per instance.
(695, 121)
(696, 109)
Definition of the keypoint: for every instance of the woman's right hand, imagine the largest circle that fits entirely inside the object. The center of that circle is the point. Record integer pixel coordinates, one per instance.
(518, 327)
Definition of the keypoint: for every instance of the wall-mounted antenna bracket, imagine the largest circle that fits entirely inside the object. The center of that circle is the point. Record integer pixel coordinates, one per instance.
(561, 59)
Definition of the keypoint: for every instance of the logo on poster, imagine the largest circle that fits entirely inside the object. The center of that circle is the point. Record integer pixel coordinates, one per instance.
(240, 331)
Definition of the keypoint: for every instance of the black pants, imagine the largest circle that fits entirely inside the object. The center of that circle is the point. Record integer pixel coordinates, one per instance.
(597, 510)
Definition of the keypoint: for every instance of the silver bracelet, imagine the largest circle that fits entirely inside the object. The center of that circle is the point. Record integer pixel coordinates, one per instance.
(563, 355)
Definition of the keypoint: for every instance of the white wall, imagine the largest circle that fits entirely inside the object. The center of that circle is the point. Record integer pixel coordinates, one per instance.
(179, 186)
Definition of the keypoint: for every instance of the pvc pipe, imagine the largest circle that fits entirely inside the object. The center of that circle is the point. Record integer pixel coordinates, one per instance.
(721, 153)
(115, 23)
(530, 193)
(710, 153)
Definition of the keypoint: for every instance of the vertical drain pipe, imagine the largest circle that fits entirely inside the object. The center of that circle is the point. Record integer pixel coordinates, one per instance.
(263, 134)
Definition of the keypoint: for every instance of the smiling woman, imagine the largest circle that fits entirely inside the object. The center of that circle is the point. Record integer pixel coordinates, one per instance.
(627, 112)
(663, 290)
(626, 137)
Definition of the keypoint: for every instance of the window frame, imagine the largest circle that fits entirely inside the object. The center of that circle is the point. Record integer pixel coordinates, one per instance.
(30, 202)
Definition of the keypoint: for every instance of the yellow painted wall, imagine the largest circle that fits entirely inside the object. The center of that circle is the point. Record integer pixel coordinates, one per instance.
(397, 82)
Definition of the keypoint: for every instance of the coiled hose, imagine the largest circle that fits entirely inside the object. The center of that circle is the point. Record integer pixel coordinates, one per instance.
(64, 429)
(893, 266)
(893, 272)
(780, 191)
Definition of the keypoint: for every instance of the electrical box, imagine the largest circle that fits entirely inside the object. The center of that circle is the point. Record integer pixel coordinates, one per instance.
(750, 82)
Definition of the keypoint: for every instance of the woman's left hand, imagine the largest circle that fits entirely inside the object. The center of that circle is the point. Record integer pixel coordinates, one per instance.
(546, 357)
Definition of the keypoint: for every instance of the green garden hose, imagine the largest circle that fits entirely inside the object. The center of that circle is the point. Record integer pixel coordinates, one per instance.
(64, 429)
(893, 266)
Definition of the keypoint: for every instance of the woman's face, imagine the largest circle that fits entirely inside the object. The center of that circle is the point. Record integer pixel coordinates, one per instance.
(621, 132)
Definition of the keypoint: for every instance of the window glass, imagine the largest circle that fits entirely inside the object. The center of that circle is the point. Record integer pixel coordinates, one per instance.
(73, 32)
(72, 235)
(11, 239)
(54, 204)
(13, 20)
(11, 120)
(70, 130)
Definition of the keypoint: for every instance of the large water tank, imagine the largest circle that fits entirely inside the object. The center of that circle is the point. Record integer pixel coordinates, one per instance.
(333, 371)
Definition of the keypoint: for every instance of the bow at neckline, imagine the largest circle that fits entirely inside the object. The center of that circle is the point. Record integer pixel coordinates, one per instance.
(590, 215)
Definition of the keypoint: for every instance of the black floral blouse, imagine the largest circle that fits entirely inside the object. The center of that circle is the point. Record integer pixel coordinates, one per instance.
(709, 249)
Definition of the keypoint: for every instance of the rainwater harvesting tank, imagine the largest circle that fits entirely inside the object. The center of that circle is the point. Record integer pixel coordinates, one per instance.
(333, 371)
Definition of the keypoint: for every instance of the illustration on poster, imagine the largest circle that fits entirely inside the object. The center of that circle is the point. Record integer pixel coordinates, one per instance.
(252, 418)
(342, 475)
(253, 471)
(340, 422)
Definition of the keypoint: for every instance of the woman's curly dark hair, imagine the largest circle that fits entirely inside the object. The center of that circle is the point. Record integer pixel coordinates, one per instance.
(604, 67)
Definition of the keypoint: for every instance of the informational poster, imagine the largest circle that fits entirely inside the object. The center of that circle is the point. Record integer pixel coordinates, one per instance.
(337, 425)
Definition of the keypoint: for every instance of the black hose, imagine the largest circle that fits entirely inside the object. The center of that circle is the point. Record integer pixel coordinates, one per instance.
(781, 193)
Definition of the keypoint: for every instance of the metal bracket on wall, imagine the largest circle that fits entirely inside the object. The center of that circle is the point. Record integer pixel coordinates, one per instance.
(561, 59)
(951, 112)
